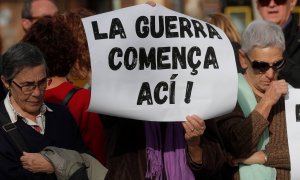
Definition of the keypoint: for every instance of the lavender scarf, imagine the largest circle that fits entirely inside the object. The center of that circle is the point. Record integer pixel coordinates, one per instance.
(173, 157)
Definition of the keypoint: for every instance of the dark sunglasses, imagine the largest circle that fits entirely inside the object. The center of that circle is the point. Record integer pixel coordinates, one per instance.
(267, 2)
(261, 66)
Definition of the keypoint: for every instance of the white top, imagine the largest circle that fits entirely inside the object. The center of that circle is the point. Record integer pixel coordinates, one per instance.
(13, 115)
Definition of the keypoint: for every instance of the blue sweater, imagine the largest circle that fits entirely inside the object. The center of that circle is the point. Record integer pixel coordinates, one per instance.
(60, 131)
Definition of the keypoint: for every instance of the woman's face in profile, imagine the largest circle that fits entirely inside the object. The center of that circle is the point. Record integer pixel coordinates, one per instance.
(27, 89)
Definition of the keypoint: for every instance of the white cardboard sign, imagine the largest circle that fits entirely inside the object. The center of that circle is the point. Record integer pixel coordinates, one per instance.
(292, 110)
(155, 64)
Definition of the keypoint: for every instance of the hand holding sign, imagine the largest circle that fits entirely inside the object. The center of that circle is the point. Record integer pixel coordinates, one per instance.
(151, 3)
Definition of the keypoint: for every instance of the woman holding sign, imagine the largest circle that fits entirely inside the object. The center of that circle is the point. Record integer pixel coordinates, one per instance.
(138, 149)
(255, 132)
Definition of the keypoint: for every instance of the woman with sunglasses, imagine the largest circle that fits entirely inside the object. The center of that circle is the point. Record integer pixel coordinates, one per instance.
(255, 132)
(280, 12)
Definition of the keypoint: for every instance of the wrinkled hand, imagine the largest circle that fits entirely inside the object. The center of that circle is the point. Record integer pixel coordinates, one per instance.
(194, 127)
(35, 162)
(275, 91)
(256, 158)
(271, 96)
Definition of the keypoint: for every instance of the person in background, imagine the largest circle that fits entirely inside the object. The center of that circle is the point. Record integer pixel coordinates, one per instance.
(1, 44)
(24, 74)
(2, 89)
(34, 9)
(255, 133)
(54, 39)
(223, 22)
(80, 73)
(280, 12)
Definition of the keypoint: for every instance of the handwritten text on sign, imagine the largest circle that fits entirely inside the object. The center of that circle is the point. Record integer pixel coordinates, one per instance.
(151, 63)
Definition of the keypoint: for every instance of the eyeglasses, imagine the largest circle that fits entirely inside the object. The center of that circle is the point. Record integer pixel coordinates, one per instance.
(267, 2)
(262, 67)
(30, 86)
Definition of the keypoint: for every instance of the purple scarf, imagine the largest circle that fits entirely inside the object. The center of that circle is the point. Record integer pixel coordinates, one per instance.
(173, 155)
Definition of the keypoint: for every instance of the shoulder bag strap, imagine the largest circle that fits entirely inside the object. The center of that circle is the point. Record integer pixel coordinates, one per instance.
(12, 131)
(70, 95)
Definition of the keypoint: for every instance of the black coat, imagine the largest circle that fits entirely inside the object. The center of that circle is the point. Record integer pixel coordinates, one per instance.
(61, 131)
(291, 71)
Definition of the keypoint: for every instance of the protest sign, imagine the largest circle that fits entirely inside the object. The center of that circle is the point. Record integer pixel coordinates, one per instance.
(152, 63)
(292, 113)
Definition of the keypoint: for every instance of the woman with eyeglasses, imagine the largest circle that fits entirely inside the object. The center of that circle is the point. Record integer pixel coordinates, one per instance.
(281, 13)
(60, 48)
(37, 124)
(255, 132)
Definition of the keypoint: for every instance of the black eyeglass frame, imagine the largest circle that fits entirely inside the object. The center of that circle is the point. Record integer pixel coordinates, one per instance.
(31, 86)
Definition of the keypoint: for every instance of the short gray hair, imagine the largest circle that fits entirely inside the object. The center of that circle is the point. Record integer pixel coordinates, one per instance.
(262, 34)
(26, 9)
(18, 57)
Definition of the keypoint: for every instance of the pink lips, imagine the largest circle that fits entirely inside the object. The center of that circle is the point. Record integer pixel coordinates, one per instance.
(272, 12)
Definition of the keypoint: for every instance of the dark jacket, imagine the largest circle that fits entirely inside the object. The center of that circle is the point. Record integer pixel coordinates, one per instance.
(292, 53)
(215, 159)
(124, 148)
(61, 131)
(241, 136)
(125, 144)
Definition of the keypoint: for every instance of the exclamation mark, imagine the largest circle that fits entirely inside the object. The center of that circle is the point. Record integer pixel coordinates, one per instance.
(188, 93)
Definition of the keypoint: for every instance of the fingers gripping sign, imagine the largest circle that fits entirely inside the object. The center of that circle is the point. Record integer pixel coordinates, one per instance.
(194, 128)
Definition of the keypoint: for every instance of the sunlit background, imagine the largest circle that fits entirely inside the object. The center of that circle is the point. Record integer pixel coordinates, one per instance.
(241, 12)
